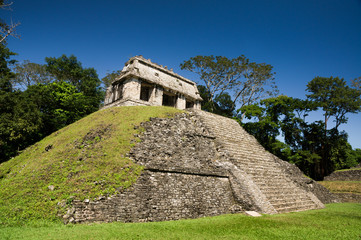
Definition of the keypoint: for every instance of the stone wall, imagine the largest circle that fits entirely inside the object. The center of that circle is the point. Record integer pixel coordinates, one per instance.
(127, 102)
(349, 175)
(180, 144)
(353, 174)
(349, 197)
(159, 196)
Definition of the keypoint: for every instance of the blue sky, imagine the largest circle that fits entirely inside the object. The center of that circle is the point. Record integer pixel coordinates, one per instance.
(301, 39)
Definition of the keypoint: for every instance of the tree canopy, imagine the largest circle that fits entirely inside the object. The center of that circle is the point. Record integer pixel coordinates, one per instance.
(6, 74)
(45, 98)
(313, 146)
(85, 80)
(29, 73)
(248, 82)
(110, 77)
(335, 98)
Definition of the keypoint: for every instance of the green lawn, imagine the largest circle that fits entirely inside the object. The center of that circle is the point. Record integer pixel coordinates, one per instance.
(336, 221)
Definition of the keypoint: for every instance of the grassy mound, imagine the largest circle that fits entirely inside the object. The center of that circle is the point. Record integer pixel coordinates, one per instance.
(83, 160)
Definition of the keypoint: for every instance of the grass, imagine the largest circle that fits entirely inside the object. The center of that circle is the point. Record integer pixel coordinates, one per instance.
(336, 221)
(342, 186)
(83, 160)
(345, 170)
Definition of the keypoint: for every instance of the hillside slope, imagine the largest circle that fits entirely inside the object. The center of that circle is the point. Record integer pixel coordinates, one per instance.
(83, 160)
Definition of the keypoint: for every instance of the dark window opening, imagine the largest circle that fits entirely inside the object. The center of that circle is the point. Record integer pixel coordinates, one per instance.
(168, 100)
(189, 104)
(145, 92)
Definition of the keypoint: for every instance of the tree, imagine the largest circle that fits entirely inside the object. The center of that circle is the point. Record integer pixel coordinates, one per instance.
(356, 83)
(41, 109)
(5, 72)
(20, 124)
(53, 96)
(110, 77)
(59, 103)
(314, 148)
(7, 30)
(18, 116)
(221, 105)
(272, 116)
(258, 84)
(85, 80)
(28, 73)
(335, 98)
(285, 116)
(247, 81)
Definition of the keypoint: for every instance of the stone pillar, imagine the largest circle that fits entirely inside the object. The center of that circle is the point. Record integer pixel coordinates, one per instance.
(131, 89)
(197, 105)
(181, 102)
(116, 93)
(108, 95)
(156, 98)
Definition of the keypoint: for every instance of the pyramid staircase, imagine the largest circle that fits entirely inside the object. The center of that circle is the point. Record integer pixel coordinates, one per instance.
(266, 178)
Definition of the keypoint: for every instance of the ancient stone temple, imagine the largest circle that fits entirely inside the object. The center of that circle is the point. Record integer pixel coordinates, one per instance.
(142, 82)
(200, 164)
(195, 164)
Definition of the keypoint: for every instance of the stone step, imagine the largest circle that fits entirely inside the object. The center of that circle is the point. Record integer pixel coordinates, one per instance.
(293, 207)
(252, 161)
(261, 175)
(282, 194)
(287, 202)
(278, 196)
(262, 171)
(278, 184)
(289, 199)
(248, 155)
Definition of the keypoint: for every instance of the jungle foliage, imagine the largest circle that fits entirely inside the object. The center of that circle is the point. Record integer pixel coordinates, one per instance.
(36, 99)
(317, 147)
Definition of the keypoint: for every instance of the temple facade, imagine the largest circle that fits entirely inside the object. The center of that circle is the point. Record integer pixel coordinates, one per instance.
(142, 82)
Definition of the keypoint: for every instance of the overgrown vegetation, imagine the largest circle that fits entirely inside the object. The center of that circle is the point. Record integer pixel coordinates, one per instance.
(336, 221)
(83, 160)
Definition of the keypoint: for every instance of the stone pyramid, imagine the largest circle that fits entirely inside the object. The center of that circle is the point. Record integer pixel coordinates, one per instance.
(200, 164)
